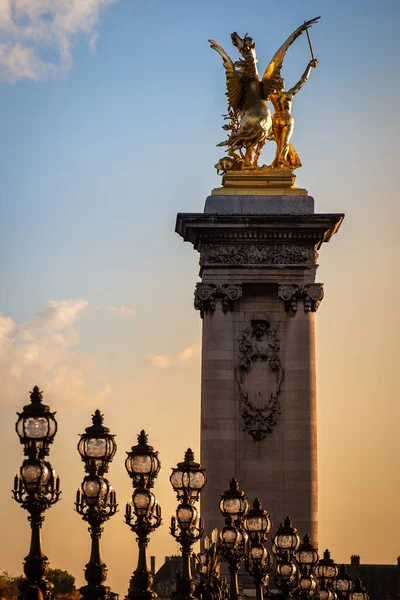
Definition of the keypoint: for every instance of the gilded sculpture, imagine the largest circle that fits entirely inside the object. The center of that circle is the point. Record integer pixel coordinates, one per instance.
(249, 118)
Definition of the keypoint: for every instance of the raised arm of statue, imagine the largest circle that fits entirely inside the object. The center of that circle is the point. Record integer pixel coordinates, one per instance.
(312, 64)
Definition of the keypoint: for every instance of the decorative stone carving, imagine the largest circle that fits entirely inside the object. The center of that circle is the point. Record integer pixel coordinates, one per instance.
(255, 254)
(206, 295)
(311, 294)
(259, 375)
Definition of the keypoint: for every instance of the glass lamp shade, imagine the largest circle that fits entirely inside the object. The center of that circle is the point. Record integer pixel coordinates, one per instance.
(186, 515)
(326, 594)
(258, 554)
(230, 537)
(307, 583)
(36, 425)
(326, 568)
(306, 555)
(36, 475)
(287, 539)
(95, 490)
(359, 592)
(188, 478)
(143, 502)
(257, 522)
(142, 463)
(286, 570)
(343, 582)
(97, 446)
(234, 502)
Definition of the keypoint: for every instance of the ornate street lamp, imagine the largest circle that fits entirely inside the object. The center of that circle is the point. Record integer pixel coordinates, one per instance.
(187, 480)
(358, 592)
(233, 547)
(258, 565)
(96, 501)
(306, 557)
(234, 502)
(97, 446)
(233, 538)
(286, 542)
(36, 426)
(36, 488)
(257, 524)
(343, 583)
(325, 592)
(143, 466)
(327, 569)
(307, 585)
(142, 463)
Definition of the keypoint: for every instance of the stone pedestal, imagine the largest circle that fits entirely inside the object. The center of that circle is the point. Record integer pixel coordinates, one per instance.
(257, 298)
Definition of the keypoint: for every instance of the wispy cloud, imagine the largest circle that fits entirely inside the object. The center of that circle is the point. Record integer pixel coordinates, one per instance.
(192, 351)
(44, 351)
(162, 361)
(30, 29)
(121, 311)
(159, 360)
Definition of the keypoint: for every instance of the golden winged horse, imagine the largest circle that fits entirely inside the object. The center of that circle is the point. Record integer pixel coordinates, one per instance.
(249, 117)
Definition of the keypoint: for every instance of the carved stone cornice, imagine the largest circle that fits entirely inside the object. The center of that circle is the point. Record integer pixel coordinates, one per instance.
(257, 253)
(207, 294)
(313, 229)
(311, 294)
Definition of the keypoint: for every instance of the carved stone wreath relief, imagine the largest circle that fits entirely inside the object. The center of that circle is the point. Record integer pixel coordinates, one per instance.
(259, 375)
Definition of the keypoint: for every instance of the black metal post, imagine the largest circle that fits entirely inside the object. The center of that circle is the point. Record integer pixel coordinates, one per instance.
(36, 488)
(185, 584)
(143, 465)
(234, 593)
(96, 569)
(140, 585)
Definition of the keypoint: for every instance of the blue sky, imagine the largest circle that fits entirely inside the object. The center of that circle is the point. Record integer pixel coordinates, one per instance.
(100, 151)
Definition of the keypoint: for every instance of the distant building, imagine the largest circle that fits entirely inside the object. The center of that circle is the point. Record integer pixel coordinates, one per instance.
(382, 582)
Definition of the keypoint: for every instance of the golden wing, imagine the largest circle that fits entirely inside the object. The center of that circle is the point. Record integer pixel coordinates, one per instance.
(273, 71)
(233, 85)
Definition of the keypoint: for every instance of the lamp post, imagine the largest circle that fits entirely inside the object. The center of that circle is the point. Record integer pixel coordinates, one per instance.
(36, 488)
(306, 557)
(327, 570)
(187, 479)
(343, 583)
(96, 501)
(286, 542)
(233, 538)
(143, 466)
(257, 525)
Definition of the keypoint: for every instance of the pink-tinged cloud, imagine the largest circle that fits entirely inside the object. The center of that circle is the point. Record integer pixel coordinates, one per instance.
(162, 361)
(44, 351)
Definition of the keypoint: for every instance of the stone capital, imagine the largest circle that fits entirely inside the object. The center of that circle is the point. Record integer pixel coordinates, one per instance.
(311, 294)
(207, 294)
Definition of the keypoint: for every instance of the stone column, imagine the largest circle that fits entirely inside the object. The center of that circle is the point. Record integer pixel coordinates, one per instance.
(300, 414)
(258, 299)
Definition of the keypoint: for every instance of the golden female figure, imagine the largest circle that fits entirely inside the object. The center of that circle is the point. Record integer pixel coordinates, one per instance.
(283, 122)
(248, 113)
